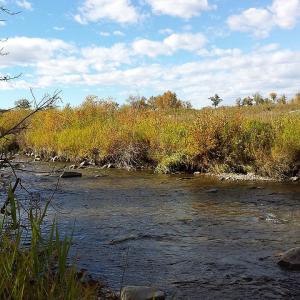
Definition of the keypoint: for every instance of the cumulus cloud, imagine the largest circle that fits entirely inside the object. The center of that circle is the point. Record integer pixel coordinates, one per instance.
(115, 32)
(229, 72)
(260, 21)
(179, 8)
(121, 11)
(24, 4)
(171, 44)
(57, 28)
(24, 51)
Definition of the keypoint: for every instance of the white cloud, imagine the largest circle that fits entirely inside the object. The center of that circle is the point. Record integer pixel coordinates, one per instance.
(121, 11)
(116, 33)
(24, 51)
(229, 72)
(171, 44)
(179, 8)
(57, 28)
(104, 33)
(101, 58)
(260, 21)
(165, 31)
(24, 4)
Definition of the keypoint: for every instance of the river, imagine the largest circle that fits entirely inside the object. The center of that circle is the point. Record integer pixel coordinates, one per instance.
(193, 237)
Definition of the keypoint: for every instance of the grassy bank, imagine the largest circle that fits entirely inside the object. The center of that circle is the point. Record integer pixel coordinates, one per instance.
(34, 265)
(264, 139)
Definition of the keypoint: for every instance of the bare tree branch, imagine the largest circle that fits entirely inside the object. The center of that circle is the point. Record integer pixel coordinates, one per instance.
(46, 102)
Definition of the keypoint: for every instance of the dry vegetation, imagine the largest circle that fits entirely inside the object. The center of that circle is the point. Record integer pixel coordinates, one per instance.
(165, 133)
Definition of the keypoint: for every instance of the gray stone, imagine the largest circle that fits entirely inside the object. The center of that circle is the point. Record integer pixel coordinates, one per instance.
(83, 164)
(70, 174)
(72, 167)
(295, 179)
(141, 293)
(212, 191)
(291, 259)
(107, 166)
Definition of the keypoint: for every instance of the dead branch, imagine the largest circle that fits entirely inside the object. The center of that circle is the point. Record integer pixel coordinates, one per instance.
(46, 102)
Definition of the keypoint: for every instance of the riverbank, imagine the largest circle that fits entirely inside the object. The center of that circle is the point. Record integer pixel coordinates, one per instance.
(59, 166)
(263, 140)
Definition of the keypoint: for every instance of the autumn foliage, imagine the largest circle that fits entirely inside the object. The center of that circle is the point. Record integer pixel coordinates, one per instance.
(166, 134)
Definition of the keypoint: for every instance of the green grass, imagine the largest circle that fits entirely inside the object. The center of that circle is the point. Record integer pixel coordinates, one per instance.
(34, 265)
(263, 139)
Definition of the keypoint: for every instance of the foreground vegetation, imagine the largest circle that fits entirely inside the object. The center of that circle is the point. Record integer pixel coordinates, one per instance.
(34, 265)
(165, 133)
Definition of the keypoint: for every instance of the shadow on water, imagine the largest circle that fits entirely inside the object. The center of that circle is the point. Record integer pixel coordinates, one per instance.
(196, 238)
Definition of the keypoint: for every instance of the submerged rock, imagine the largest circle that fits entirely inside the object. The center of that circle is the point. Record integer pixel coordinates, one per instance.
(291, 259)
(212, 191)
(70, 174)
(141, 293)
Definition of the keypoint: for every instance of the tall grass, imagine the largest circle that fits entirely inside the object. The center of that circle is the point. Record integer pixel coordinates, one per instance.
(263, 139)
(34, 265)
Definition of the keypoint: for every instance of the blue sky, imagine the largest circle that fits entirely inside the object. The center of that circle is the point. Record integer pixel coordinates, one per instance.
(119, 48)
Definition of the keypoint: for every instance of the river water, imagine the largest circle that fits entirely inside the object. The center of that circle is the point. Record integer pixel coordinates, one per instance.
(193, 237)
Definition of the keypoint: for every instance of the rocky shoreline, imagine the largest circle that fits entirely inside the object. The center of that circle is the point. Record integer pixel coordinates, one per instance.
(84, 163)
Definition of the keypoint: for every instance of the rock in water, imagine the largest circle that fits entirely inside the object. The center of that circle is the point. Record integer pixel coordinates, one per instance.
(212, 191)
(291, 259)
(295, 179)
(141, 293)
(70, 174)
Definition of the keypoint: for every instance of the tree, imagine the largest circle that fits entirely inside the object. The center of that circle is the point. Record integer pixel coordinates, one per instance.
(273, 97)
(167, 100)
(247, 101)
(238, 101)
(22, 104)
(2, 51)
(296, 99)
(258, 99)
(282, 99)
(137, 102)
(216, 100)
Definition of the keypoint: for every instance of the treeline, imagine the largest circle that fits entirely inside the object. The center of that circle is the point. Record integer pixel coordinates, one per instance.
(170, 100)
(166, 134)
(274, 98)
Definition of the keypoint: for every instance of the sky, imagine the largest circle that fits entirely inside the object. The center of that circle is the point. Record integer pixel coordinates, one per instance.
(118, 48)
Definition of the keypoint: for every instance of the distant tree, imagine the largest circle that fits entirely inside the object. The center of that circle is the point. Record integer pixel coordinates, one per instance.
(238, 101)
(258, 99)
(273, 97)
(168, 100)
(137, 102)
(282, 99)
(22, 104)
(247, 101)
(216, 100)
(296, 98)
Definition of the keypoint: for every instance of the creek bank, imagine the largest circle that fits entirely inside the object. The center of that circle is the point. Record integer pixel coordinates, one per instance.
(83, 163)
